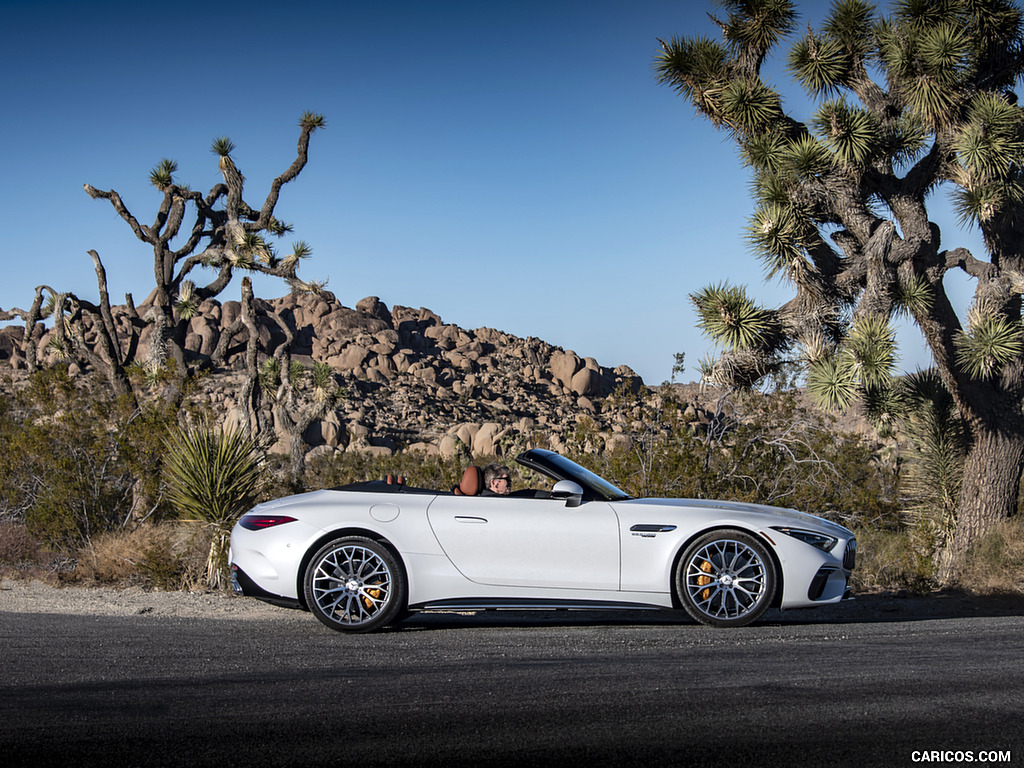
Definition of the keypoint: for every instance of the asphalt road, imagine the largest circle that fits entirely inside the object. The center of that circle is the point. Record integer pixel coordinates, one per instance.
(513, 689)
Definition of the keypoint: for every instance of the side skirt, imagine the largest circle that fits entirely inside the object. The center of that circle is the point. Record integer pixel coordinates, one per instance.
(529, 604)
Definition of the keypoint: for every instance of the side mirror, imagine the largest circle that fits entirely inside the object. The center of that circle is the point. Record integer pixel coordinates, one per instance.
(570, 492)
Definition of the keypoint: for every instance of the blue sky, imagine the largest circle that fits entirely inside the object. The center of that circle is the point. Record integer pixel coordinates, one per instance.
(507, 164)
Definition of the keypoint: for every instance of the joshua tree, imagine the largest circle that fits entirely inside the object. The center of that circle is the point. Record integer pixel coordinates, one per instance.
(907, 103)
(226, 234)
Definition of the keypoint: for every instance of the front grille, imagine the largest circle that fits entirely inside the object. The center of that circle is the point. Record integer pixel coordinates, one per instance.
(850, 555)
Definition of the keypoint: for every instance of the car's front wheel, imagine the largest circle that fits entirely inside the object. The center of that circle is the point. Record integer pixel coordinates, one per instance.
(355, 584)
(726, 579)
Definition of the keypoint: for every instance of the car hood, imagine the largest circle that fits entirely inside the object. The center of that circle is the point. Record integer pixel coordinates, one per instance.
(767, 515)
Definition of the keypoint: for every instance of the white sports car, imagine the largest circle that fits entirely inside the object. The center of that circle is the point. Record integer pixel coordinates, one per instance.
(364, 556)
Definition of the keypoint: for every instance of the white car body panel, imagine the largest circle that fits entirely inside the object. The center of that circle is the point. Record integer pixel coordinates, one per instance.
(511, 542)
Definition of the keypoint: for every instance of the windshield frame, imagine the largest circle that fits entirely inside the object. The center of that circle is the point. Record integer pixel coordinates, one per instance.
(557, 467)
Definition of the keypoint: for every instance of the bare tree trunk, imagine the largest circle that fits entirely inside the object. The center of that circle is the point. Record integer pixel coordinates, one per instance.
(295, 427)
(251, 395)
(33, 330)
(992, 473)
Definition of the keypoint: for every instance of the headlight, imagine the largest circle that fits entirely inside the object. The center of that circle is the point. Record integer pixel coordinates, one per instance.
(816, 540)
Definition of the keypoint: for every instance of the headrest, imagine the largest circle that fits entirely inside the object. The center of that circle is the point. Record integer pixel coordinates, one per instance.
(472, 482)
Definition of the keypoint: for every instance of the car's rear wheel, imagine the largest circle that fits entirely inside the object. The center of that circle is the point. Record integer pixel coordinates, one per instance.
(726, 579)
(355, 584)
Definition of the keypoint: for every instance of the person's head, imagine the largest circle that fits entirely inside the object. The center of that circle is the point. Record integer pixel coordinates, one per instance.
(497, 479)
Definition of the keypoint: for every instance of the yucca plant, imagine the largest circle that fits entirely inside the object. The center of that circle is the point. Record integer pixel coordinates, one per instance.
(213, 476)
(990, 342)
(270, 374)
(300, 251)
(162, 175)
(819, 62)
(278, 228)
(312, 121)
(849, 132)
(914, 296)
(833, 382)
(227, 232)
(59, 349)
(323, 382)
(186, 303)
(729, 317)
(222, 146)
(314, 287)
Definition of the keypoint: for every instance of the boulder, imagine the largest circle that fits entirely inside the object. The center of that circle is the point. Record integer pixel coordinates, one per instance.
(563, 366)
(326, 431)
(587, 382)
(374, 307)
(448, 447)
(229, 312)
(466, 433)
(485, 441)
(350, 358)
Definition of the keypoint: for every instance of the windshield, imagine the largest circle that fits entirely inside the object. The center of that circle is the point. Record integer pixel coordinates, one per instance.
(601, 487)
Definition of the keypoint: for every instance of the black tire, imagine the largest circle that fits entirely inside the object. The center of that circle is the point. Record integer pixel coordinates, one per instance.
(355, 584)
(726, 579)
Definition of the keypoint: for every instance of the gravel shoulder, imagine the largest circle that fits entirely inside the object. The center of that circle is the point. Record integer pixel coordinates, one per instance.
(20, 596)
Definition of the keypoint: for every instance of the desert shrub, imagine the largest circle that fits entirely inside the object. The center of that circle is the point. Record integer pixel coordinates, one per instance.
(160, 555)
(767, 449)
(113, 557)
(889, 559)
(419, 469)
(76, 462)
(17, 546)
(995, 565)
(178, 561)
(22, 556)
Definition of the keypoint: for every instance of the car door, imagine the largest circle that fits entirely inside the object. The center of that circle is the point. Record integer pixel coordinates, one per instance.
(516, 542)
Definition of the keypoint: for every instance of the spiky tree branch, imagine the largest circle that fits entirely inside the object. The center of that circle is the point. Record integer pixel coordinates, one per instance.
(227, 233)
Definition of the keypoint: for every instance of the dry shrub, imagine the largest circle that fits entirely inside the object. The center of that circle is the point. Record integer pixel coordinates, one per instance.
(17, 547)
(160, 555)
(22, 557)
(995, 565)
(889, 560)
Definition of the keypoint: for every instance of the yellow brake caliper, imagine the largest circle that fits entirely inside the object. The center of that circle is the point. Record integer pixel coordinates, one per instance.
(375, 594)
(704, 580)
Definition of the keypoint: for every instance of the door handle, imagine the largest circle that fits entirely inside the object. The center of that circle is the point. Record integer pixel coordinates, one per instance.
(468, 519)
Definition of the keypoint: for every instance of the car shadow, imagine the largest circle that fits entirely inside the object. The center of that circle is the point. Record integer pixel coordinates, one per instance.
(885, 607)
(443, 620)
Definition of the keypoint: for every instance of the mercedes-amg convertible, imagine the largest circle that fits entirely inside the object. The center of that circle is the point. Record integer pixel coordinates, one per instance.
(364, 556)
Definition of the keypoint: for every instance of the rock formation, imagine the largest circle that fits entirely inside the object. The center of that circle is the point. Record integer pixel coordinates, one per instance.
(413, 382)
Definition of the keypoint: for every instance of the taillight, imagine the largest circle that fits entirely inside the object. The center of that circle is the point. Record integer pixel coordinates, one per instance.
(259, 522)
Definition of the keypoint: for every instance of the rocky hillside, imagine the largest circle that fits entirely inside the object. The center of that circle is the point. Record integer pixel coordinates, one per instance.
(412, 380)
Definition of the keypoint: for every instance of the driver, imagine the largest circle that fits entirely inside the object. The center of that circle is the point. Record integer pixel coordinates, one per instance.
(497, 480)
